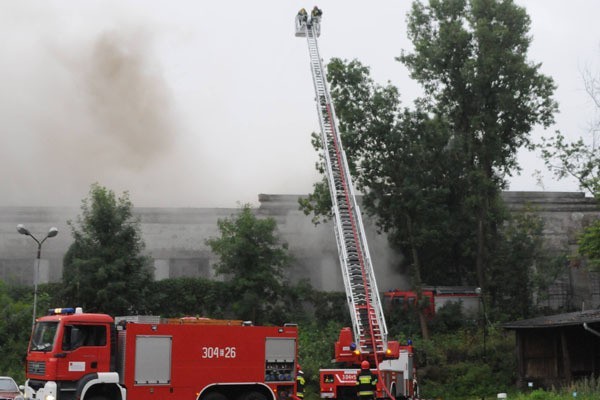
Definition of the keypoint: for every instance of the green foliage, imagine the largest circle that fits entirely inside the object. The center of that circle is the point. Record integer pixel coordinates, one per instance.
(15, 326)
(317, 203)
(180, 297)
(104, 269)
(589, 244)
(401, 321)
(540, 394)
(465, 364)
(330, 307)
(586, 388)
(520, 246)
(432, 175)
(471, 59)
(450, 318)
(579, 160)
(316, 350)
(253, 259)
(398, 159)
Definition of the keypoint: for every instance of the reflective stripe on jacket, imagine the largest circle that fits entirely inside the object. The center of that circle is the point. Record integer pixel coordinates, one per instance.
(300, 382)
(366, 383)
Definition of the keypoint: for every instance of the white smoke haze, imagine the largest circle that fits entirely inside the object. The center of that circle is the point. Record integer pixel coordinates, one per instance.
(88, 108)
(143, 98)
(207, 104)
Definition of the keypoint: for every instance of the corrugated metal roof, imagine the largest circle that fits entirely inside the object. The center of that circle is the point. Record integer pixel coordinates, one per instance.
(567, 319)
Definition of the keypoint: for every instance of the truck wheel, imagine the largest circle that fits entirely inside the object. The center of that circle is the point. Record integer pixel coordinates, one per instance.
(99, 398)
(253, 396)
(215, 396)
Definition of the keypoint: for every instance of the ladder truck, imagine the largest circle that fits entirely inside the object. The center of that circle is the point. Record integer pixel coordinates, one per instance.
(367, 340)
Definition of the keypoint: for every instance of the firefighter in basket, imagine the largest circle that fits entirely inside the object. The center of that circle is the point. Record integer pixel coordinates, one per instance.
(302, 17)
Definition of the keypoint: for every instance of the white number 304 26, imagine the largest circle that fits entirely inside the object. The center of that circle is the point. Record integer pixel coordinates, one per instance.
(218, 352)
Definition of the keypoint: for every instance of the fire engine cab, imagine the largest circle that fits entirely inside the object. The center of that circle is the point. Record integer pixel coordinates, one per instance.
(76, 355)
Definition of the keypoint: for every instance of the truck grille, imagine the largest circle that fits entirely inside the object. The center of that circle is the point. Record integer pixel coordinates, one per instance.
(36, 367)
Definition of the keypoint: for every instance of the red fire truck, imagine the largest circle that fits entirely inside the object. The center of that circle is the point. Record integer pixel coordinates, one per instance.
(75, 355)
(367, 340)
(437, 297)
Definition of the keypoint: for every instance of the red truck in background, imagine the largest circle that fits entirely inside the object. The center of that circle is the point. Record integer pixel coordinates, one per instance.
(437, 297)
(74, 355)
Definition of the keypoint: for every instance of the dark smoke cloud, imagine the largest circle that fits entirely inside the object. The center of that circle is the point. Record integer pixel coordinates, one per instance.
(79, 110)
(127, 99)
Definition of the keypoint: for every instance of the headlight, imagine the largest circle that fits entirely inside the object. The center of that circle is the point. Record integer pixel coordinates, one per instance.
(49, 397)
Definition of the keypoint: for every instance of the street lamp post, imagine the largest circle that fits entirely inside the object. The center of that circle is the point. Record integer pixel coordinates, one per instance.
(51, 233)
(480, 293)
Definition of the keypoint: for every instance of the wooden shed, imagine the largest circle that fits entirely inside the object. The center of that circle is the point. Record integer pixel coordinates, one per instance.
(557, 349)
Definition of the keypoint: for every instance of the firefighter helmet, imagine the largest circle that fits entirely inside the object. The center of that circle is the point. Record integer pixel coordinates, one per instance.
(299, 369)
(365, 365)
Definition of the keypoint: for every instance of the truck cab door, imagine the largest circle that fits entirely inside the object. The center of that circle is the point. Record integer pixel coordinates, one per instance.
(85, 349)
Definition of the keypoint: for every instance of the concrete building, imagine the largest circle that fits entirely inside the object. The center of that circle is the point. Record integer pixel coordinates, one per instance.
(175, 238)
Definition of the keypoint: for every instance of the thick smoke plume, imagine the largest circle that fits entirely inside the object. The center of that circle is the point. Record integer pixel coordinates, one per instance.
(83, 110)
(126, 99)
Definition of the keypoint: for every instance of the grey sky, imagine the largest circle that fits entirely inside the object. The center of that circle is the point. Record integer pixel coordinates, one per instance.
(205, 104)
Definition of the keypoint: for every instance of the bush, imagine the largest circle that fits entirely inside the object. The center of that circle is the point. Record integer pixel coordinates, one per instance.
(458, 366)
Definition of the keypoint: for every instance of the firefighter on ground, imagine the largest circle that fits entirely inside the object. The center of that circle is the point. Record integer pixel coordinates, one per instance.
(366, 382)
(300, 382)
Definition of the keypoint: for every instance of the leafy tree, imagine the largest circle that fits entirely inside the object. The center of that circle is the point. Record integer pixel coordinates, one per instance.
(466, 364)
(180, 297)
(253, 259)
(589, 244)
(15, 327)
(471, 58)
(104, 269)
(581, 160)
(433, 175)
(315, 351)
(523, 266)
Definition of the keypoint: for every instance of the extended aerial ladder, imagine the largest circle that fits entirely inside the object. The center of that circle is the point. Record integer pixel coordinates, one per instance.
(368, 323)
(368, 339)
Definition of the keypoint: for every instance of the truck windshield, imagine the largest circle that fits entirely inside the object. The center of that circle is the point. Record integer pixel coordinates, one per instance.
(43, 336)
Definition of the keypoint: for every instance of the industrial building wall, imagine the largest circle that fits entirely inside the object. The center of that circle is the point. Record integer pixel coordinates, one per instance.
(175, 238)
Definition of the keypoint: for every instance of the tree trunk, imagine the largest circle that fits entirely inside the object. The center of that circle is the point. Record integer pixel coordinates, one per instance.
(416, 278)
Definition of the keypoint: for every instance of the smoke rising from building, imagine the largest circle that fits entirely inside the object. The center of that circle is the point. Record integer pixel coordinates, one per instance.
(148, 101)
(93, 108)
(196, 104)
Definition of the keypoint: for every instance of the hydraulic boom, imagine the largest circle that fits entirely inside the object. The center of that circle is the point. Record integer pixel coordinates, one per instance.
(368, 324)
(368, 339)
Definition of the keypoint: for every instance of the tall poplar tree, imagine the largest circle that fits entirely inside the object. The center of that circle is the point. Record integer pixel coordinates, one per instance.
(471, 59)
(433, 174)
